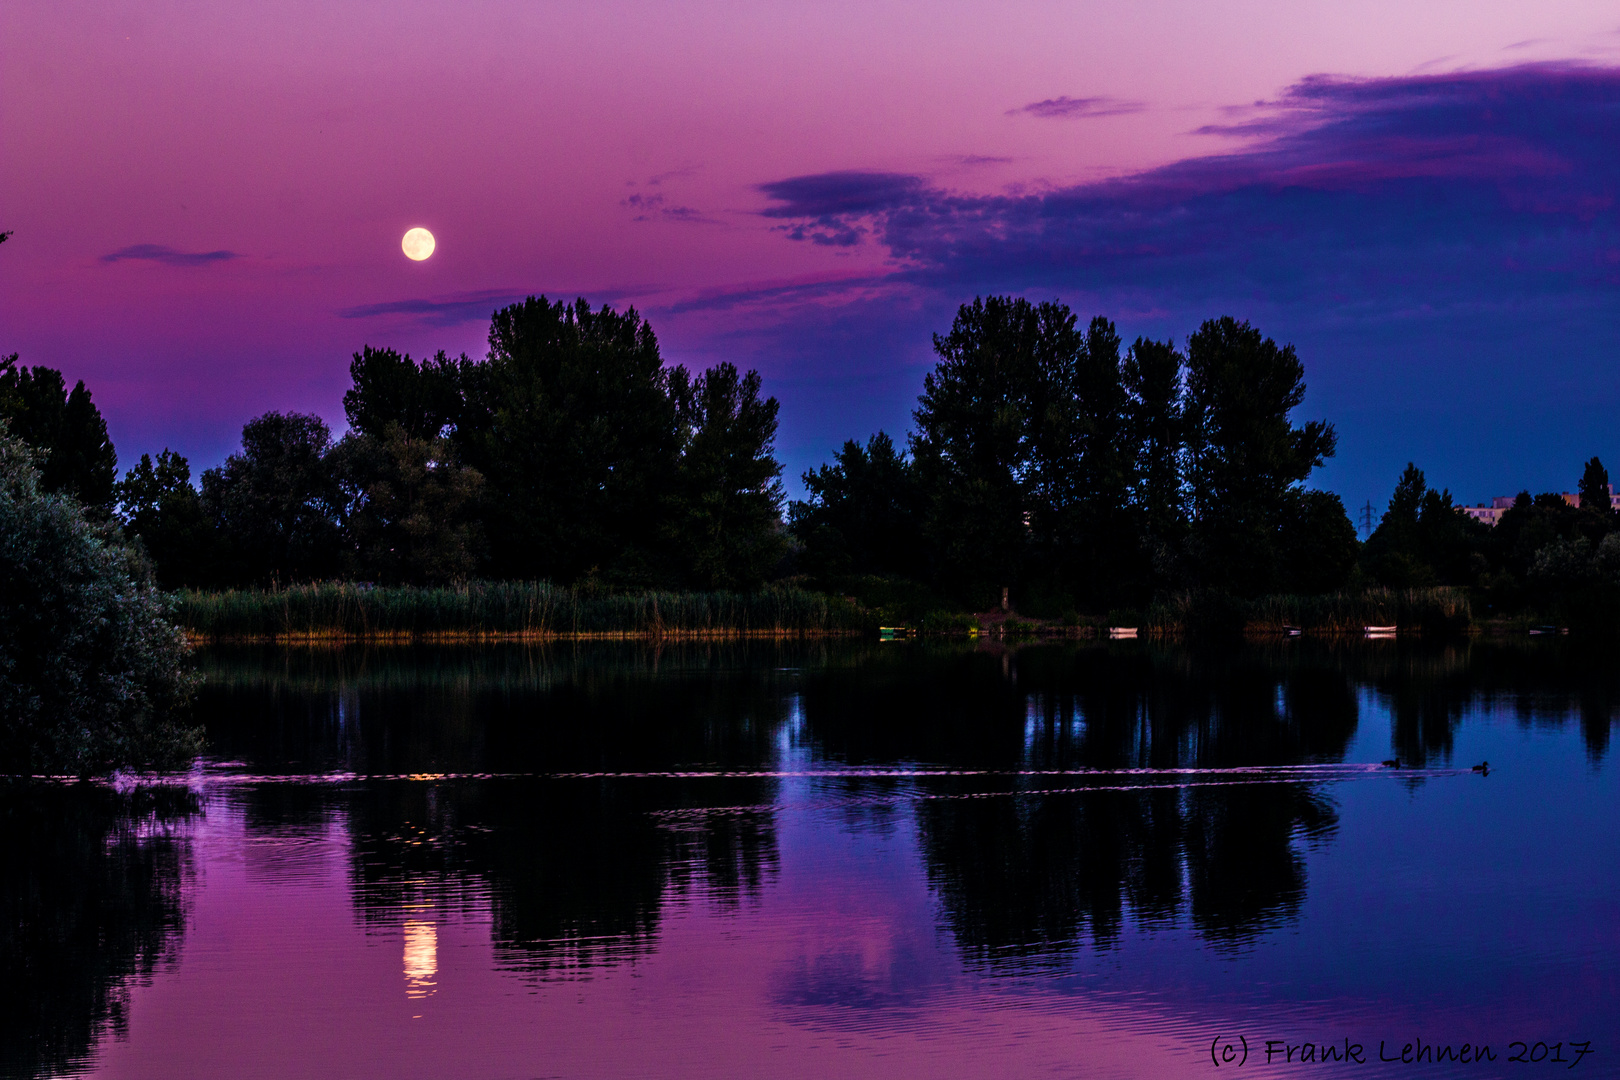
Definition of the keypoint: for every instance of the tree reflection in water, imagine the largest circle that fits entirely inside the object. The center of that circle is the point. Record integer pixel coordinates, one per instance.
(93, 902)
(579, 871)
(1030, 876)
(575, 872)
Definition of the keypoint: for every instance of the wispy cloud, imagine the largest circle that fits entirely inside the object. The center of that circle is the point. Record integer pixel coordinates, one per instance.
(1471, 182)
(826, 208)
(658, 178)
(656, 207)
(451, 310)
(162, 253)
(725, 299)
(839, 193)
(455, 309)
(1068, 108)
(1442, 246)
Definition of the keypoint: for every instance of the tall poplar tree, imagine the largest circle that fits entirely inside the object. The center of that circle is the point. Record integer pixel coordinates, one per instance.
(1246, 459)
(1594, 488)
(65, 428)
(571, 423)
(1152, 377)
(973, 449)
(725, 509)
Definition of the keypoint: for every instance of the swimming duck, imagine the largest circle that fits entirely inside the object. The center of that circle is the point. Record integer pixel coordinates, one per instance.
(1393, 763)
(1483, 768)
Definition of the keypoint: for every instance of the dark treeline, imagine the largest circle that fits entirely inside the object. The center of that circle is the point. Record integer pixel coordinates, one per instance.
(1545, 554)
(1047, 457)
(1053, 460)
(571, 453)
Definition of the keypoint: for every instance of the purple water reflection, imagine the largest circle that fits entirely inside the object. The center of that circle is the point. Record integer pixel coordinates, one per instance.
(827, 920)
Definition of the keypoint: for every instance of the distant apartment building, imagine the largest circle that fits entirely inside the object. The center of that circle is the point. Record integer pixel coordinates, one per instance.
(1500, 505)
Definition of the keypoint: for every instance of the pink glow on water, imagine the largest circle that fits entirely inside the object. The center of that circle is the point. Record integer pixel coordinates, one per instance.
(279, 976)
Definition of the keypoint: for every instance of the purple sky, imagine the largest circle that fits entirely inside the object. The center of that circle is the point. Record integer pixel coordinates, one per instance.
(208, 200)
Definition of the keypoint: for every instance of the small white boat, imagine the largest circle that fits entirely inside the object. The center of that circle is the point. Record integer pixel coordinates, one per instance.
(1117, 632)
(1379, 631)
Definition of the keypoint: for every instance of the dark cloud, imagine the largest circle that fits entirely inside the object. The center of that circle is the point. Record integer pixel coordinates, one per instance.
(656, 207)
(1442, 248)
(1465, 183)
(441, 311)
(839, 193)
(162, 253)
(830, 204)
(1068, 108)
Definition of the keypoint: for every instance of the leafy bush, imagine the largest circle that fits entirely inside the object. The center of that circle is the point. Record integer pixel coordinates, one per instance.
(93, 674)
(948, 622)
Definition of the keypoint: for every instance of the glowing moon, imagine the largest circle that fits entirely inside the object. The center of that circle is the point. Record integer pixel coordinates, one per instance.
(418, 244)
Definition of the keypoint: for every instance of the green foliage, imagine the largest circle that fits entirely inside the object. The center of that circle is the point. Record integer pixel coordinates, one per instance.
(275, 503)
(158, 505)
(1434, 611)
(64, 428)
(505, 609)
(390, 388)
(93, 674)
(410, 507)
(892, 599)
(1015, 627)
(949, 623)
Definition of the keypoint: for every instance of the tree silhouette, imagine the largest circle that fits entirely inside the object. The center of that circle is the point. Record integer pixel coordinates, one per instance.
(1246, 458)
(76, 456)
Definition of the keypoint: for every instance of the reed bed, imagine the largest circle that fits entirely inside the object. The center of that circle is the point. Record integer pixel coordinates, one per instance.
(505, 611)
(1441, 610)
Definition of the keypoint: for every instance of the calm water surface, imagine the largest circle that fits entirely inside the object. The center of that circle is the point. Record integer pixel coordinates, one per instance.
(836, 860)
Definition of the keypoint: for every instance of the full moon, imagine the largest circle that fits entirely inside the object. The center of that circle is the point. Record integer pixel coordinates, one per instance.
(418, 244)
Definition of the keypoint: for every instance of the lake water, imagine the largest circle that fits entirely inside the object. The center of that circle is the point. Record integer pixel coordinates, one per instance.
(846, 859)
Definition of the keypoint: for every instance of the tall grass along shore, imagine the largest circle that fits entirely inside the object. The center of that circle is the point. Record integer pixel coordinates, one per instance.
(505, 611)
(1439, 610)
